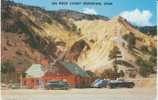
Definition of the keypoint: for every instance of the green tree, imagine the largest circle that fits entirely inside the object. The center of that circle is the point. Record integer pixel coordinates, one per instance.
(121, 73)
(114, 55)
(91, 74)
(146, 67)
(144, 49)
(144, 71)
(74, 27)
(131, 40)
(153, 60)
(7, 69)
(109, 74)
(153, 51)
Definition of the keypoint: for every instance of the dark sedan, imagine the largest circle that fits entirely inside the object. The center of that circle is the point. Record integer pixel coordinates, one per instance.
(57, 85)
(120, 83)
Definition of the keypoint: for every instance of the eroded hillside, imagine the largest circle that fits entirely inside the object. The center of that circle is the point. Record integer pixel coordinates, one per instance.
(76, 37)
(102, 35)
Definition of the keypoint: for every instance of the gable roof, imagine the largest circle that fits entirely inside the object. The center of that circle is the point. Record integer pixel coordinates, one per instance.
(35, 71)
(74, 69)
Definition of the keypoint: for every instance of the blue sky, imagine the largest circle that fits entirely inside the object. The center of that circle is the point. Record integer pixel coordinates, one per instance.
(138, 12)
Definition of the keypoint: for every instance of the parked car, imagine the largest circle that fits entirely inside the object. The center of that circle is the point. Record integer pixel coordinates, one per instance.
(57, 85)
(4, 86)
(14, 85)
(99, 83)
(93, 83)
(120, 83)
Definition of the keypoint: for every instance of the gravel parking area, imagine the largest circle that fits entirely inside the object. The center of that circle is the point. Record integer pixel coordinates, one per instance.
(81, 94)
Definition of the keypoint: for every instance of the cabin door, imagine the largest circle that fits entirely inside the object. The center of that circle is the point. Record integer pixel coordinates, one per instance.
(40, 83)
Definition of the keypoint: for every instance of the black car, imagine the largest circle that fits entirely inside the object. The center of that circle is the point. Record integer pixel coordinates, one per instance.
(120, 83)
(57, 85)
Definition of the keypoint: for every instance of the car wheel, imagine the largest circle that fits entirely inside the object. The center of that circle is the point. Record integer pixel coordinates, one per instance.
(109, 86)
(130, 86)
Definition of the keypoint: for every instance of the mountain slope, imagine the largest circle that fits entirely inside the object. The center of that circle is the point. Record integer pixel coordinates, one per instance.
(106, 34)
(72, 36)
(41, 33)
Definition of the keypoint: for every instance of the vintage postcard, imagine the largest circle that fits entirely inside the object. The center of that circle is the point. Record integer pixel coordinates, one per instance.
(78, 49)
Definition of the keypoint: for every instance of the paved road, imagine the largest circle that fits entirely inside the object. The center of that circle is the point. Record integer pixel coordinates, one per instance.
(81, 94)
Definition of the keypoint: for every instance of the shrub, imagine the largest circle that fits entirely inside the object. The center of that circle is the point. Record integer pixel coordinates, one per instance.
(153, 51)
(144, 49)
(7, 67)
(153, 60)
(109, 74)
(114, 52)
(144, 71)
(132, 74)
(121, 73)
(146, 67)
(91, 74)
(8, 71)
(131, 40)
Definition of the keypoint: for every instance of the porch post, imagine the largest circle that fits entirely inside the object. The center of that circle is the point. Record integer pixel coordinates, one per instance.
(21, 83)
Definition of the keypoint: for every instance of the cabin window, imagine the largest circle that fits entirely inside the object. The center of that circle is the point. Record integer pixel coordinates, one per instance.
(32, 81)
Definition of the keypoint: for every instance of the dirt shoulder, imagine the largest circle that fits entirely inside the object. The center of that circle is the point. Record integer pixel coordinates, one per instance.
(145, 82)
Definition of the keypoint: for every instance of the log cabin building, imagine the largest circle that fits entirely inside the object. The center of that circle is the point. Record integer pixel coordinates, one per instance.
(38, 75)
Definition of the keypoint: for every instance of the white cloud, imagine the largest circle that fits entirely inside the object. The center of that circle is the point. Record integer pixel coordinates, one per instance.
(137, 17)
(89, 11)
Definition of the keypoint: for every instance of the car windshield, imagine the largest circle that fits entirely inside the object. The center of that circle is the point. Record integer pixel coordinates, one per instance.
(53, 82)
(57, 82)
(61, 82)
(97, 80)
